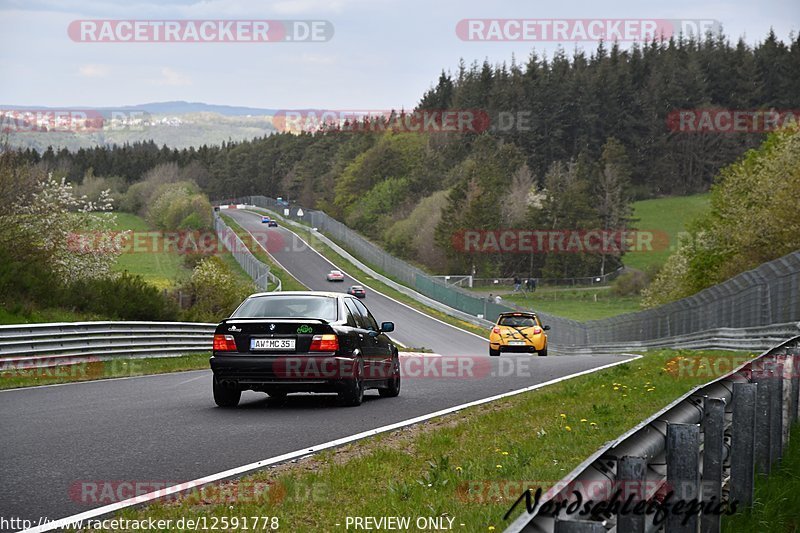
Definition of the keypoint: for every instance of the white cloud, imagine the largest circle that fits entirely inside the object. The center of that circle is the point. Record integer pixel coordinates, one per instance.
(93, 71)
(172, 77)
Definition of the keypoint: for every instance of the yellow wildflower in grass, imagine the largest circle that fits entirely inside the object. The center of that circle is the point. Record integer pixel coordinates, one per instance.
(568, 428)
(584, 420)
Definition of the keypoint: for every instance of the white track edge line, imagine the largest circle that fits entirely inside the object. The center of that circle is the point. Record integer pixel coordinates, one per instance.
(94, 513)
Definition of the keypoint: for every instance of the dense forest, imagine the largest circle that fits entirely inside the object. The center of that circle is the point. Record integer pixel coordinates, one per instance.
(596, 136)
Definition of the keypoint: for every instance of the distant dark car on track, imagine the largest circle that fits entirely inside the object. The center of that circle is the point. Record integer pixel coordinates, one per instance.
(272, 223)
(358, 291)
(303, 341)
(335, 275)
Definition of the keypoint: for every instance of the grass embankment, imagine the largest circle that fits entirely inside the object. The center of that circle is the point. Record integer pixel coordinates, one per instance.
(11, 378)
(580, 303)
(469, 466)
(166, 269)
(668, 215)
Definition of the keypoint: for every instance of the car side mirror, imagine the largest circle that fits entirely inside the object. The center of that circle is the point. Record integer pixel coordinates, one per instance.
(546, 328)
(387, 327)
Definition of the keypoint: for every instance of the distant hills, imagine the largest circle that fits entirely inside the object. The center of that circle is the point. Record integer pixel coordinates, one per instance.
(177, 107)
(177, 124)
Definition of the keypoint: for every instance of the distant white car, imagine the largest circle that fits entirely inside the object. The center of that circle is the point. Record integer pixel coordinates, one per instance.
(335, 275)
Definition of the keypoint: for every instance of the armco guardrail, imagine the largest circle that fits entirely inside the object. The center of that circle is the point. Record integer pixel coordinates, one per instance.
(261, 274)
(707, 446)
(769, 294)
(56, 344)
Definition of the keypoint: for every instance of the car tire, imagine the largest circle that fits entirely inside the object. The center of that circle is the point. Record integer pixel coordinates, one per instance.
(494, 353)
(226, 396)
(543, 352)
(353, 393)
(393, 390)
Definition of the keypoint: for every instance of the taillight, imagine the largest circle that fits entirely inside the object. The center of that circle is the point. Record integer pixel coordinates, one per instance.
(537, 330)
(224, 343)
(324, 343)
(496, 330)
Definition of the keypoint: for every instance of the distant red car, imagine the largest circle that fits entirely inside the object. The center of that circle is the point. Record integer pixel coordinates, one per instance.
(357, 291)
(335, 275)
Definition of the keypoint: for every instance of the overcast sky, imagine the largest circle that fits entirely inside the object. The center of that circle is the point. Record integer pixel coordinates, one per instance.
(384, 53)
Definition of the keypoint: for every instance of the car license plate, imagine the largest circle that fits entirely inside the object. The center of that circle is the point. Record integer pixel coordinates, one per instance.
(272, 344)
(516, 343)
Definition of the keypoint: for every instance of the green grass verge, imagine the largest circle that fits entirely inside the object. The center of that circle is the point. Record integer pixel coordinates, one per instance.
(669, 215)
(165, 270)
(288, 282)
(577, 304)
(776, 506)
(469, 465)
(25, 314)
(114, 368)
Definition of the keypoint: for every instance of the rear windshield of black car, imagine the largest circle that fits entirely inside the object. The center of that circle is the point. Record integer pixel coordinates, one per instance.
(517, 321)
(288, 306)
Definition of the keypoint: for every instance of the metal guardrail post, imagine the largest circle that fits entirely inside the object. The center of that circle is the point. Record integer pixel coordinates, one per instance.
(743, 440)
(579, 526)
(762, 433)
(631, 472)
(776, 415)
(683, 473)
(713, 456)
(795, 377)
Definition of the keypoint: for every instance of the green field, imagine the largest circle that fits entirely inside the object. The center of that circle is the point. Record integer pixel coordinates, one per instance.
(162, 269)
(577, 304)
(668, 215)
(165, 270)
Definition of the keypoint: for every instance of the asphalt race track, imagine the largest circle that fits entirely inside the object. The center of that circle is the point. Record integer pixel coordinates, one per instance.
(57, 440)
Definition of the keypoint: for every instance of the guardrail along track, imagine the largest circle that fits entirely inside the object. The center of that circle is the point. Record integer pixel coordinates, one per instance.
(61, 343)
(706, 446)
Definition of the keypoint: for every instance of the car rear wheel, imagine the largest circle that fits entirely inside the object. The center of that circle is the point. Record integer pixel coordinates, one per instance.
(393, 389)
(543, 352)
(494, 353)
(226, 396)
(353, 393)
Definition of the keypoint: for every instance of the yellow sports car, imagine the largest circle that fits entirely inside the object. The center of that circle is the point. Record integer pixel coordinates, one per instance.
(518, 332)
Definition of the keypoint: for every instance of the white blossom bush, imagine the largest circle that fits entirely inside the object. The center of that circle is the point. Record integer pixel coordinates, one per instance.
(74, 232)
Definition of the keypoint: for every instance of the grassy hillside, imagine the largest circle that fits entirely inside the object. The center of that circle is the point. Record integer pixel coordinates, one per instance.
(162, 269)
(668, 215)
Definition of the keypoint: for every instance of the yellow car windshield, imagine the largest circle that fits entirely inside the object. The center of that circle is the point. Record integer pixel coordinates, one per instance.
(518, 321)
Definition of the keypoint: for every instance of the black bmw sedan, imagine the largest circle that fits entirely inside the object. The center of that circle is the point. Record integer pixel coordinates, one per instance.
(287, 342)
